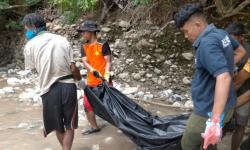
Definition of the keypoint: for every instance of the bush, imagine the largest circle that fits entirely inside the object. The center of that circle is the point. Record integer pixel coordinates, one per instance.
(71, 9)
(142, 2)
(76, 5)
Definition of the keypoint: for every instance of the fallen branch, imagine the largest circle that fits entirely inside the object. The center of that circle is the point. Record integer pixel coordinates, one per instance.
(163, 105)
(225, 13)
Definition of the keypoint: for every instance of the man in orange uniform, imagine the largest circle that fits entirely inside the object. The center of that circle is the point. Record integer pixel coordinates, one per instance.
(96, 59)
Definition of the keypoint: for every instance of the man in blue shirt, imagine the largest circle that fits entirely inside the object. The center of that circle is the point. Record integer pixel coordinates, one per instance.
(212, 89)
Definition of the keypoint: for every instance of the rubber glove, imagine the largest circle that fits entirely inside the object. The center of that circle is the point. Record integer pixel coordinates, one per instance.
(213, 131)
(107, 75)
(95, 73)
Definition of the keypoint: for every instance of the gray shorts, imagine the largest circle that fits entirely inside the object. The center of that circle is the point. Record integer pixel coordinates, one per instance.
(242, 114)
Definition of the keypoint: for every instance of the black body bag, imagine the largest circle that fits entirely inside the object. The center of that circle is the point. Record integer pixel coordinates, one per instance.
(146, 131)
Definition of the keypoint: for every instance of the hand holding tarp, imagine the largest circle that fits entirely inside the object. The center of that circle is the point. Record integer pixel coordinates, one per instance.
(82, 84)
(107, 75)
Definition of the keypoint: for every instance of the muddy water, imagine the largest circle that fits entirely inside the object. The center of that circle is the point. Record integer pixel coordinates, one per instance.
(21, 129)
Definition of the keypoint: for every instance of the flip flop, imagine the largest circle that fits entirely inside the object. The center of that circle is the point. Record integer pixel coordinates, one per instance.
(91, 131)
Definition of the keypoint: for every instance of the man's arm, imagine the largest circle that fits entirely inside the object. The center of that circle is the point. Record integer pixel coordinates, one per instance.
(243, 99)
(222, 89)
(240, 78)
(239, 53)
(108, 63)
(87, 65)
(75, 72)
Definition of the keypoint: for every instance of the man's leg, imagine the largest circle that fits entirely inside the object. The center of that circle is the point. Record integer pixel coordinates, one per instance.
(90, 113)
(237, 137)
(192, 139)
(241, 115)
(92, 119)
(59, 136)
(69, 113)
(68, 139)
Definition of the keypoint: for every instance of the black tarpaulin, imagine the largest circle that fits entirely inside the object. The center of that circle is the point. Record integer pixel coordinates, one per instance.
(148, 132)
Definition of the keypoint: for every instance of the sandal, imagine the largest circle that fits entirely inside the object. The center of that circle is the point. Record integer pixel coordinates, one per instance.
(91, 131)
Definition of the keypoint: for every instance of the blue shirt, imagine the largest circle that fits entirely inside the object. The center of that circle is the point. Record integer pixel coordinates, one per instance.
(214, 56)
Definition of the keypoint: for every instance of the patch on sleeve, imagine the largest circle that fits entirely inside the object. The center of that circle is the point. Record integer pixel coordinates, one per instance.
(226, 41)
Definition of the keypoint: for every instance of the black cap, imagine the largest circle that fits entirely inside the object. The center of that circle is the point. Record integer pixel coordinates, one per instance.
(88, 26)
(186, 12)
(236, 28)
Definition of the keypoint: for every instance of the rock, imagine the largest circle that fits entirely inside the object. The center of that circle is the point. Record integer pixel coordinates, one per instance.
(13, 81)
(106, 29)
(177, 97)
(130, 90)
(120, 44)
(187, 56)
(143, 44)
(163, 77)
(155, 80)
(22, 125)
(186, 80)
(24, 73)
(140, 94)
(148, 57)
(37, 99)
(149, 75)
(30, 96)
(173, 66)
(168, 62)
(123, 75)
(148, 97)
(168, 93)
(137, 76)
(158, 50)
(57, 28)
(189, 104)
(142, 73)
(7, 90)
(157, 71)
(11, 71)
(177, 104)
(128, 61)
(143, 80)
(151, 41)
(124, 24)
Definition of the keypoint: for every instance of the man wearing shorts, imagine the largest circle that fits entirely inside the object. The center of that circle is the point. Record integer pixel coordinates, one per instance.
(242, 113)
(96, 59)
(52, 57)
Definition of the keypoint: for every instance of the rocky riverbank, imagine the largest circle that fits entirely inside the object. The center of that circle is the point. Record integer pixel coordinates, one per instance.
(149, 62)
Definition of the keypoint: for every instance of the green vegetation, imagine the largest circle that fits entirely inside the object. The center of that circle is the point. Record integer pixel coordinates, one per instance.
(71, 9)
(142, 2)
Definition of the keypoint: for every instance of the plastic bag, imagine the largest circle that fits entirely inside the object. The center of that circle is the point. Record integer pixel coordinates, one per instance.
(148, 132)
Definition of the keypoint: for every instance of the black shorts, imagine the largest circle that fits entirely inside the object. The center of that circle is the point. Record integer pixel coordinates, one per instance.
(60, 108)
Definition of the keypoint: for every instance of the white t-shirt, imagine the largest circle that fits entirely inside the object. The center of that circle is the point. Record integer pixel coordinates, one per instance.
(51, 55)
